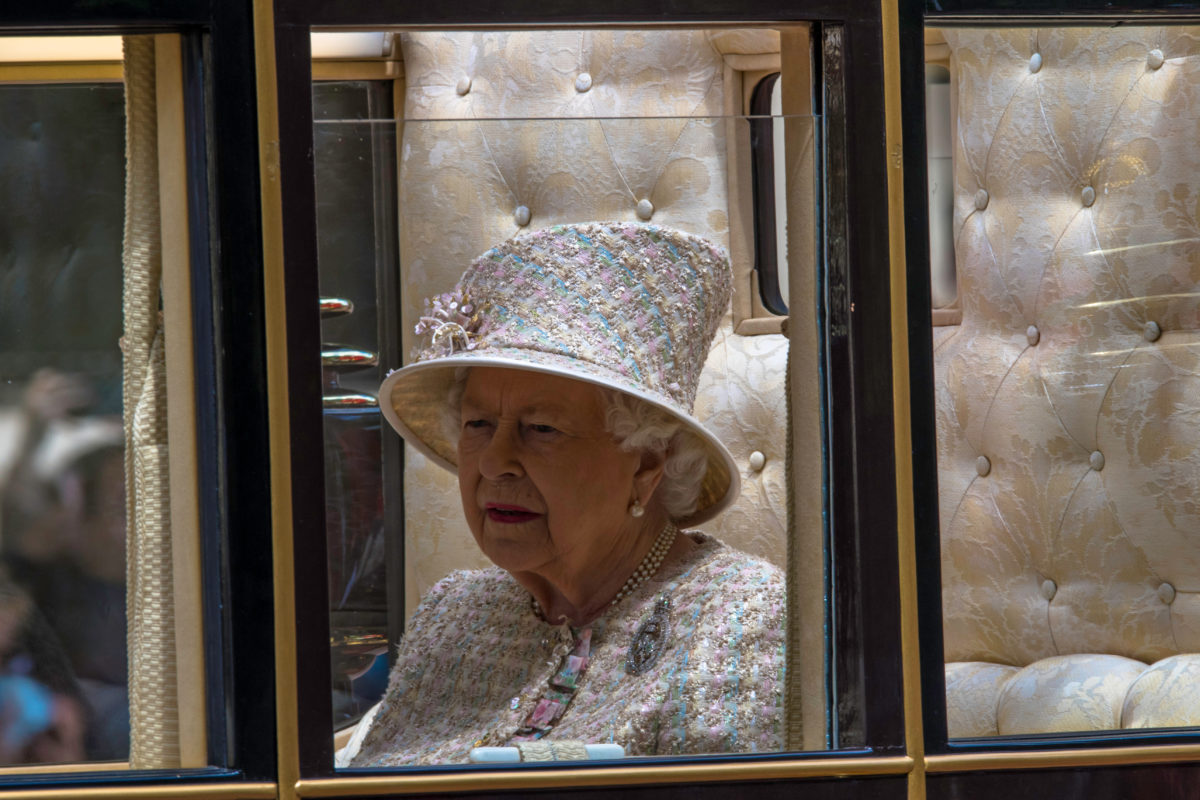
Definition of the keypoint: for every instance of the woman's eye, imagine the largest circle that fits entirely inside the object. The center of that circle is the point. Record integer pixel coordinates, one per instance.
(475, 424)
(543, 428)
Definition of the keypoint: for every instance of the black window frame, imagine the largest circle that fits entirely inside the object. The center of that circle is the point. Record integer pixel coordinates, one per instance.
(229, 351)
(855, 304)
(989, 13)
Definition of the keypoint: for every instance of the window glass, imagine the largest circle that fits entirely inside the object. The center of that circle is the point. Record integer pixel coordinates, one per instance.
(356, 225)
(632, 142)
(63, 523)
(92, 275)
(1068, 394)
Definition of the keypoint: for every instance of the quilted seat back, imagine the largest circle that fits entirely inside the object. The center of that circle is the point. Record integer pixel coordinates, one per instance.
(1068, 399)
(511, 131)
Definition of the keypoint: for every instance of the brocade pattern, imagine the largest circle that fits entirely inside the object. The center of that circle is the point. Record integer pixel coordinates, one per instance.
(475, 660)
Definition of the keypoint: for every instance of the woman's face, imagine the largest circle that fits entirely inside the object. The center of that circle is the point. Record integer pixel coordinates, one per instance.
(544, 487)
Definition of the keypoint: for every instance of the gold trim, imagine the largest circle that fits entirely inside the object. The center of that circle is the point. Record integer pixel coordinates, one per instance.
(82, 72)
(58, 769)
(357, 70)
(902, 412)
(604, 776)
(200, 791)
(286, 698)
(181, 396)
(1058, 759)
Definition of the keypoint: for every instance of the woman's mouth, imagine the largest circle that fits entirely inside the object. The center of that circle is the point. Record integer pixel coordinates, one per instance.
(501, 512)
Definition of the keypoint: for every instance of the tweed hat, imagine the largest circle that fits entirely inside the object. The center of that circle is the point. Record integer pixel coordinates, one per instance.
(628, 306)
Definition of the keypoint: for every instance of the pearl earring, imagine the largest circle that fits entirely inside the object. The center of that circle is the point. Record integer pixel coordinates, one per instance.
(636, 509)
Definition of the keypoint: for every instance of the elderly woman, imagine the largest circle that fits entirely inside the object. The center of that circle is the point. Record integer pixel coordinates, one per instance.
(558, 381)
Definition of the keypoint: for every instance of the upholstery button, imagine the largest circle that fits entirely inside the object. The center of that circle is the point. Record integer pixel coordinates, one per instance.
(583, 82)
(1035, 62)
(1049, 589)
(1096, 460)
(981, 199)
(1155, 60)
(757, 461)
(1033, 335)
(1166, 593)
(983, 466)
(645, 209)
(522, 215)
(1151, 332)
(464, 85)
(1087, 196)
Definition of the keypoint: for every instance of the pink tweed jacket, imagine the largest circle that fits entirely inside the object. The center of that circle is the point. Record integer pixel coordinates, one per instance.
(476, 660)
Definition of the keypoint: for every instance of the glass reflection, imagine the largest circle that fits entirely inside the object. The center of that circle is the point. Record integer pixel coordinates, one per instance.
(63, 675)
(356, 227)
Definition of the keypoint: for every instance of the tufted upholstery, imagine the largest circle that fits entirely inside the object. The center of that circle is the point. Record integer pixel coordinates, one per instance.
(566, 126)
(1068, 400)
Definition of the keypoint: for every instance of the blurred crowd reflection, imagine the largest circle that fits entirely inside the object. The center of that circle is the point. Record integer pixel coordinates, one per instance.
(63, 689)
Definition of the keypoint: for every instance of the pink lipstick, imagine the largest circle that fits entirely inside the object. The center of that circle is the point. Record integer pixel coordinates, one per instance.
(501, 512)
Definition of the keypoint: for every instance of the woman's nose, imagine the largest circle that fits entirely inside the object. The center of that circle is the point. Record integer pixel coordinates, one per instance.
(501, 457)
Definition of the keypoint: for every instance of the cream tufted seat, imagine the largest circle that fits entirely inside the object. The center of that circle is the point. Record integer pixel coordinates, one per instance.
(505, 131)
(1068, 400)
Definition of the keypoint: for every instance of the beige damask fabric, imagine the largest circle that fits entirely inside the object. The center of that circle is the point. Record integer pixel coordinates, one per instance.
(972, 693)
(1079, 692)
(1068, 398)
(1066, 693)
(568, 126)
(1167, 695)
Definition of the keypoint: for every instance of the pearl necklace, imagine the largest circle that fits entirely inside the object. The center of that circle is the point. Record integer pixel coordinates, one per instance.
(650, 564)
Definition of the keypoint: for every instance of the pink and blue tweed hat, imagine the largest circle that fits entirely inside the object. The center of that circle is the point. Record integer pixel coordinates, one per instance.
(628, 306)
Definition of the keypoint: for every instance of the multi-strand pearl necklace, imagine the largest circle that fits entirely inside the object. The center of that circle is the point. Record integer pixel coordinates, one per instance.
(650, 564)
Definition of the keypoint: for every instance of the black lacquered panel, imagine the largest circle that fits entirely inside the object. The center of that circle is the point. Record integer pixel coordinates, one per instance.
(1161, 781)
(893, 788)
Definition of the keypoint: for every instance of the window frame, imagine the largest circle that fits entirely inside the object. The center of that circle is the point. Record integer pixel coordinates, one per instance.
(762, 159)
(1102, 761)
(867, 593)
(226, 310)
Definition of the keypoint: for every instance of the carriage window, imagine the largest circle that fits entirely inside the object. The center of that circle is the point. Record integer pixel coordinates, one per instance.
(99, 558)
(1068, 394)
(770, 194)
(591, 186)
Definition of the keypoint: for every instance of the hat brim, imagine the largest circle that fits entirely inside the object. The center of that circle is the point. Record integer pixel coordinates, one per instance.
(413, 400)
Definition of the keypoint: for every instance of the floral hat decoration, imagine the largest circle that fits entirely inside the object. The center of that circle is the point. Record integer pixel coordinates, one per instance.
(628, 306)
